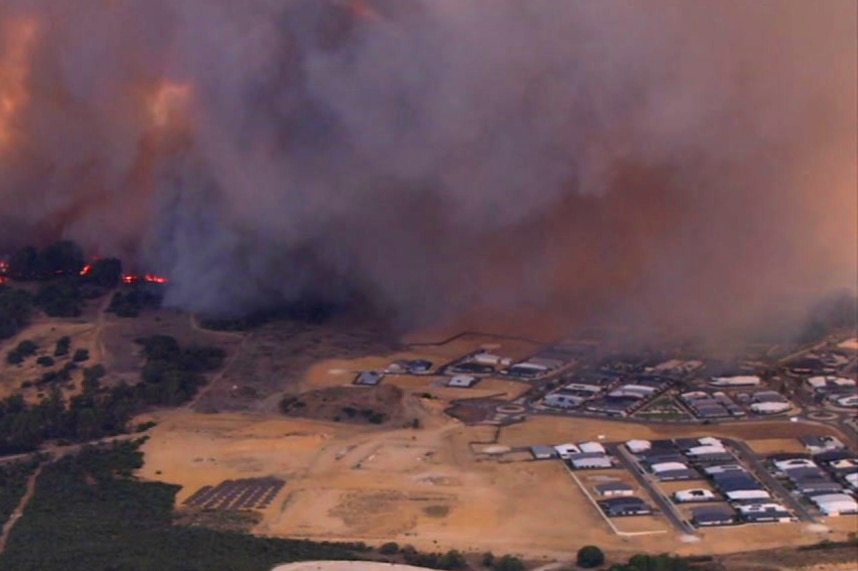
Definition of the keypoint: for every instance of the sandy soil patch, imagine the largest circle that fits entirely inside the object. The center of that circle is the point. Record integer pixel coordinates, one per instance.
(642, 524)
(776, 445)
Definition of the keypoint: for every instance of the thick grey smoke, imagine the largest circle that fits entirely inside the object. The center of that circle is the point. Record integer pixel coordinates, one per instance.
(657, 159)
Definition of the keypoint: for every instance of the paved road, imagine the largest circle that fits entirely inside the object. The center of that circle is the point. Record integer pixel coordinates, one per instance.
(749, 457)
(664, 504)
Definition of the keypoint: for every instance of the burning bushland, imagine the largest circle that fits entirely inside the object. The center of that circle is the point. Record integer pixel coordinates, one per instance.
(680, 163)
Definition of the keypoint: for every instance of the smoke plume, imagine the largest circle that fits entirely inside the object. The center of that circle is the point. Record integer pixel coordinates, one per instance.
(656, 160)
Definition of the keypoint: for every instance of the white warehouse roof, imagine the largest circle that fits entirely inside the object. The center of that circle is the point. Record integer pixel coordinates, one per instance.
(795, 463)
(591, 447)
(770, 407)
(636, 446)
(830, 504)
(567, 449)
(700, 450)
(710, 441)
(668, 466)
(748, 495)
(694, 494)
(758, 508)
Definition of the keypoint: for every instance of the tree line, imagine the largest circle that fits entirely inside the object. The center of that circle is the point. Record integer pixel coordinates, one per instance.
(171, 376)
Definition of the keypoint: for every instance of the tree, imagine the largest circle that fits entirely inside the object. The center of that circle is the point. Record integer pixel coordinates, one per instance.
(61, 258)
(23, 265)
(80, 355)
(488, 559)
(509, 563)
(590, 556)
(452, 560)
(389, 548)
(45, 361)
(105, 273)
(63, 345)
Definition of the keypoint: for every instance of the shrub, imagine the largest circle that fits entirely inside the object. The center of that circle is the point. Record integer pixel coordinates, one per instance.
(389, 548)
(45, 361)
(80, 355)
(62, 348)
(509, 563)
(590, 556)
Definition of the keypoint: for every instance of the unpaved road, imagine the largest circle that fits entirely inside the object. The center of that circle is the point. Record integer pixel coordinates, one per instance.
(19, 511)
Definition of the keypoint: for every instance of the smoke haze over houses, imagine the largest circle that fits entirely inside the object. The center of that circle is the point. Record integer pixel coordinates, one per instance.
(657, 160)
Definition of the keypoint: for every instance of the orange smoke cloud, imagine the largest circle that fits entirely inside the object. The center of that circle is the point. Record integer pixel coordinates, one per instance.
(19, 37)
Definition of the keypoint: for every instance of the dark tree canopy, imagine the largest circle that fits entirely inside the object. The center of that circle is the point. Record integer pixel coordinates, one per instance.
(590, 556)
(106, 272)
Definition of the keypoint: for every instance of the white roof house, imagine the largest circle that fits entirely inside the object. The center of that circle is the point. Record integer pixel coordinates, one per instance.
(770, 407)
(835, 504)
(634, 391)
(565, 450)
(667, 466)
(710, 441)
(592, 462)
(820, 382)
(583, 387)
(817, 444)
(742, 495)
(591, 447)
(737, 381)
(638, 446)
(694, 495)
(761, 507)
(702, 450)
(850, 401)
(852, 480)
(794, 463)
(463, 381)
(491, 359)
(560, 399)
(711, 470)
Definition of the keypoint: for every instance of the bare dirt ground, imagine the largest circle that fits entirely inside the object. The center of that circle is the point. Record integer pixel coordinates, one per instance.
(431, 487)
(275, 357)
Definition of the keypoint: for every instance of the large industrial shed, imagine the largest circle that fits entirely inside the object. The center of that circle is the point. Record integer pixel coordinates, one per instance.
(707, 516)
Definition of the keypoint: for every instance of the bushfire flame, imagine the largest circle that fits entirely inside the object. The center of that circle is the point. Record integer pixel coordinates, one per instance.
(169, 103)
(20, 36)
(148, 278)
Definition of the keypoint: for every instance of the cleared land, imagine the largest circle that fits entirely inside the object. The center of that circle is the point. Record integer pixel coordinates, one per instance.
(434, 487)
